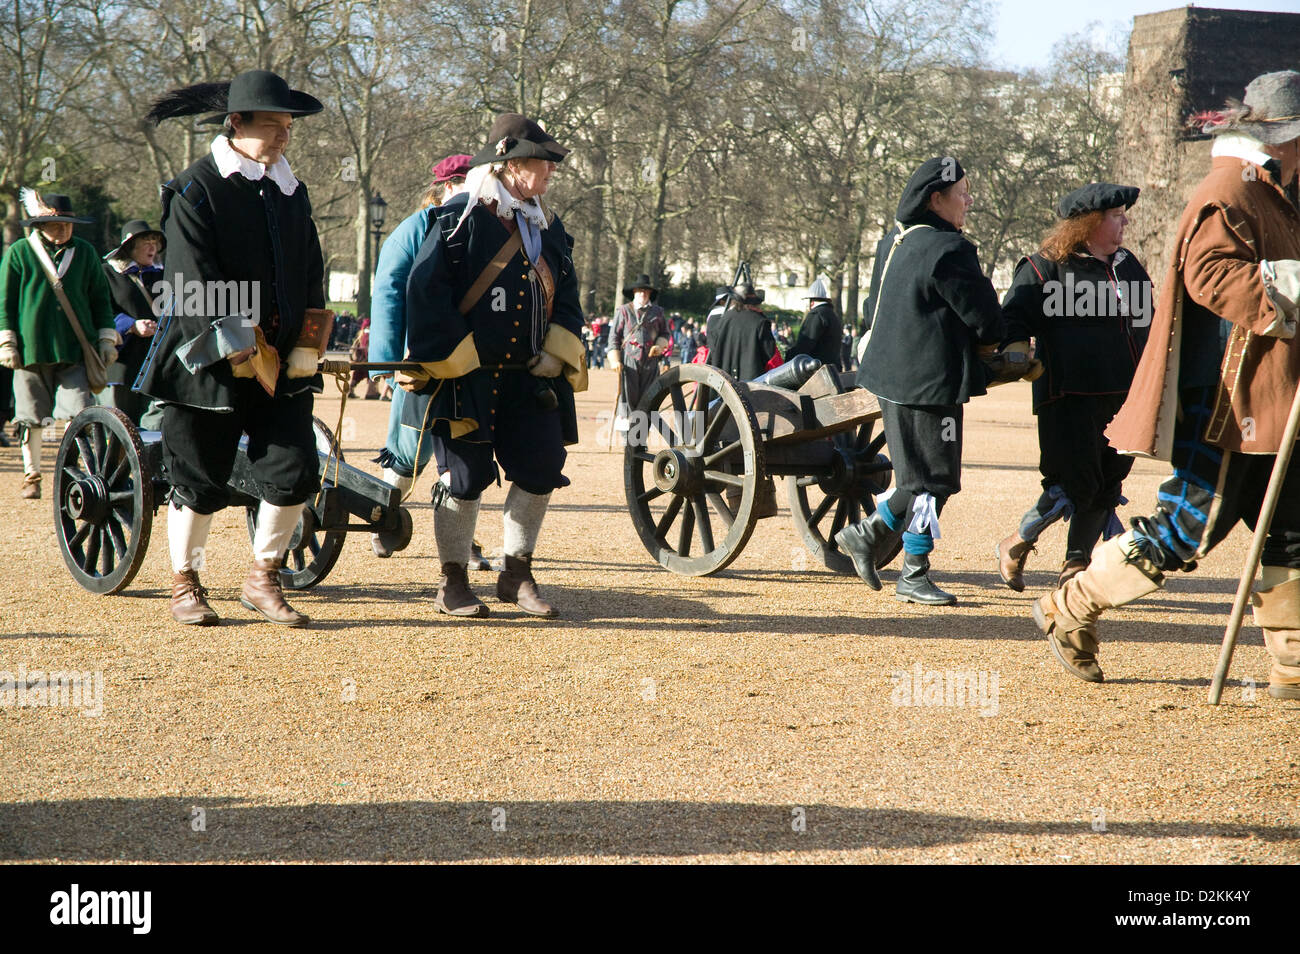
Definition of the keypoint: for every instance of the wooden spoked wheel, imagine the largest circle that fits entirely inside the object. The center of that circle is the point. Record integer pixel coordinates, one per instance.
(692, 469)
(822, 506)
(103, 500)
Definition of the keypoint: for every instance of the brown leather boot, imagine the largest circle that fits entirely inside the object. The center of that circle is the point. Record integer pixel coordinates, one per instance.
(1277, 611)
(264, 593)
(190, 600)
(1074, 649)
(1069, 570)
(454, 595)
(1012, 554)
(31, 487)
(1068, 615)
(516, 585)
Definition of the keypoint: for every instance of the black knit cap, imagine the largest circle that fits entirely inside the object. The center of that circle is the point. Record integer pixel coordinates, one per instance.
(515, 136)
(1096, 197)
(933, 175)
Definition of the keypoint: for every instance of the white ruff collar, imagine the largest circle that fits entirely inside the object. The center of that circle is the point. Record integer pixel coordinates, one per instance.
(483, 187)
(229, 162)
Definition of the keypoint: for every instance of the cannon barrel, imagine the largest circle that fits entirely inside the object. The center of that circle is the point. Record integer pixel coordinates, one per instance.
(792, 375)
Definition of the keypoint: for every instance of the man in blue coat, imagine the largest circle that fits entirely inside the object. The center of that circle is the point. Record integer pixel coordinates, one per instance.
(388, 326)
(494, 319)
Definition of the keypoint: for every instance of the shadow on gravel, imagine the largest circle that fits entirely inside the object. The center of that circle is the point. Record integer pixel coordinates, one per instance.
(159, 829)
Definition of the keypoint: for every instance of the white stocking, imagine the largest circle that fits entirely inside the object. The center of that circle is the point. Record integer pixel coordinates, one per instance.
(397, 480)
(31, 450)
(187, 537)
(523, 520)
(453, 529)
(274, 529)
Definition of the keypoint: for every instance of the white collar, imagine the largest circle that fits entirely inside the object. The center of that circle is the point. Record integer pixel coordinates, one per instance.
(229, 162)
(1241, 146)
(482, 187)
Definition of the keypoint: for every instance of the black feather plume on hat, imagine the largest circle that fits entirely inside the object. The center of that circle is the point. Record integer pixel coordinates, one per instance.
(189, 101)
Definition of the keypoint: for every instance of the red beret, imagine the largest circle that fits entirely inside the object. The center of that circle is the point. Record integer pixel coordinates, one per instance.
(453, 167)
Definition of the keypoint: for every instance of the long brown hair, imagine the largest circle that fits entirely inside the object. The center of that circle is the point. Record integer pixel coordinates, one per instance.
(1069, 235)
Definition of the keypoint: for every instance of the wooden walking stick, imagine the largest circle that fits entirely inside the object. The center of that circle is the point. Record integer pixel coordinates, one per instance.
(617, 400)
(1266, 511)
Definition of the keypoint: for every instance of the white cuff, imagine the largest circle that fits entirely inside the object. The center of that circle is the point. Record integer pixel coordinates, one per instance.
(1282, 287)
(9, 338)
(302, 363)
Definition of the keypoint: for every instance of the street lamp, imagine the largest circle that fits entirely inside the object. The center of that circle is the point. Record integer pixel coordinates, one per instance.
(378, 213)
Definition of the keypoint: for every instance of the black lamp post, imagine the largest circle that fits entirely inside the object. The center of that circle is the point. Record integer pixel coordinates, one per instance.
(378, 213)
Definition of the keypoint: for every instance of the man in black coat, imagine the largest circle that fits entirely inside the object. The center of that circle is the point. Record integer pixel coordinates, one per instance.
(740, 339)
(239, 341)
(821, 333)
(493, 317)
(932, 313)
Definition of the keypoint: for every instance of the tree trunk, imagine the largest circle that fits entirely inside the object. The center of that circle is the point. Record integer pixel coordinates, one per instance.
(855, 290)
(591, 254)
(652, 250)
(620, 275)
(362, 227)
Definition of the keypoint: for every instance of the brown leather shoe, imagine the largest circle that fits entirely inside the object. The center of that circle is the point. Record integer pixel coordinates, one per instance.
(1070, 568)
(264, 593)
(31, 487)
(190, 600)
(516, 585)
(454, 595)
(1077, 650)
(1012, 554)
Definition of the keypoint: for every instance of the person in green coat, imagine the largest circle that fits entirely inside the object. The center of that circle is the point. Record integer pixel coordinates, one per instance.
(36, 339)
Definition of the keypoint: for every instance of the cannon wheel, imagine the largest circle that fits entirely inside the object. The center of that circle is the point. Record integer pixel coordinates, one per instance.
(312, 552)
(679, 468)
(103, 500)
(823, 506)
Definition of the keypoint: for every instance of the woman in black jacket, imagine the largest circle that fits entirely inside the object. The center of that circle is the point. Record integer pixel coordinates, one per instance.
(1087, 302)
(932, 314)
(133, 272)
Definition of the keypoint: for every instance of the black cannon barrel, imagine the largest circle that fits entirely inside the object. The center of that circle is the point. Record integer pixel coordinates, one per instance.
(792, 375)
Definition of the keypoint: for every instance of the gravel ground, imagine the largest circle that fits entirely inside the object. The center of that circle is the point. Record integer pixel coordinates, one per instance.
(747, 717)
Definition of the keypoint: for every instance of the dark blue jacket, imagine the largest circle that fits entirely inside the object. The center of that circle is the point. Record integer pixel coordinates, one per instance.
(465, 352)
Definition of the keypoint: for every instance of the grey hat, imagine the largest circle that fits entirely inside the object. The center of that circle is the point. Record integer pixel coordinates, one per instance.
(818, 291)
(1269, 112)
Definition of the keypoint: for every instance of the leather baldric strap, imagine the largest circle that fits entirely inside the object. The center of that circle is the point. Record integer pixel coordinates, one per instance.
(96, 370)
(898, 240)
(493, 268)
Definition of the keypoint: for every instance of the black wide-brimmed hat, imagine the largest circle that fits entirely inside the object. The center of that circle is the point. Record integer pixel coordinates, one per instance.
(749, 295)
(254, 91)
(642, 281)
(134, 229)
(50, 207)
(1096, 197)
(515, 136)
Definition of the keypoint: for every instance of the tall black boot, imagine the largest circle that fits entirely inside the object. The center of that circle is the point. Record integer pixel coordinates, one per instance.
(914, 584)
(865, 540)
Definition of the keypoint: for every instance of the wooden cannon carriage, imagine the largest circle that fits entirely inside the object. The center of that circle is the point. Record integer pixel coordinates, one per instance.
(701, 446)
(109, 481)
